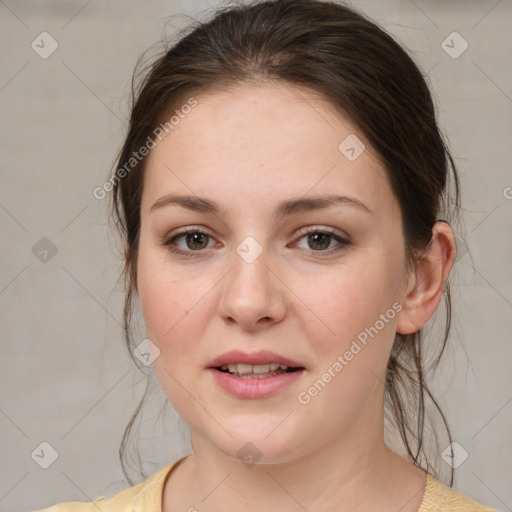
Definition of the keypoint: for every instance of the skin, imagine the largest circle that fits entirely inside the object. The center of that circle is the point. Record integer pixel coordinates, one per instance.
(247, 149)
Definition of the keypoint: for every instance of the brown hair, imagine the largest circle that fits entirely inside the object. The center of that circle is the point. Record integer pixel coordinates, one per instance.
(363, 72)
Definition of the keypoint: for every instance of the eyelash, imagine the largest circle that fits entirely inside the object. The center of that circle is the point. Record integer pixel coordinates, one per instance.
(168, 242)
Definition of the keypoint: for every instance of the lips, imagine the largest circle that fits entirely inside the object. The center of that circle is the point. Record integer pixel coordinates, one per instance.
(255, 358)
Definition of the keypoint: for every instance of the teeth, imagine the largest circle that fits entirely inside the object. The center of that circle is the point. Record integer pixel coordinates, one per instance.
(256, 368)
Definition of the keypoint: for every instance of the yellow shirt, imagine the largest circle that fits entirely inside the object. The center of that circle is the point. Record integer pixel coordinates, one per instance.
(147, 497)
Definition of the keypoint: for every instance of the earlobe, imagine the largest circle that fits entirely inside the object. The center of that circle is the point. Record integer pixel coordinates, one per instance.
(427, 284)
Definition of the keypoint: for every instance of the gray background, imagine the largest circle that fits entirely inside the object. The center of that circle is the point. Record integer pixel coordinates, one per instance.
(66, 376)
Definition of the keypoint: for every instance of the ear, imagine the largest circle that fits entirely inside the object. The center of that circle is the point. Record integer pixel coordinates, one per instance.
(427, 282)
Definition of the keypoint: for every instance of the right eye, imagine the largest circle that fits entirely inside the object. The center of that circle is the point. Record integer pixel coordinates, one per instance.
(194, 240)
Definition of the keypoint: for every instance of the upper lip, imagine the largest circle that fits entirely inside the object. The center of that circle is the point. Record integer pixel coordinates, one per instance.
(260, 357)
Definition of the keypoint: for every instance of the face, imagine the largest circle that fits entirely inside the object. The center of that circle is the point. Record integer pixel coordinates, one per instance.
(319, 284)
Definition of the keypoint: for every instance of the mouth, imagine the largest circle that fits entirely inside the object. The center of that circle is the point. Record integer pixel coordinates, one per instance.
(257, 371)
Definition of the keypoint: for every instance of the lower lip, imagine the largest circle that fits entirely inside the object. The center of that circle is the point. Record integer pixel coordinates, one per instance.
(254, 387)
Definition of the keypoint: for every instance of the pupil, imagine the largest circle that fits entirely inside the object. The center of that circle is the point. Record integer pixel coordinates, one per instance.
(321, 235)
(192, 238)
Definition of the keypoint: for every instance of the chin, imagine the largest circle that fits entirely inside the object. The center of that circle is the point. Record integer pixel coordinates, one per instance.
(258, 448)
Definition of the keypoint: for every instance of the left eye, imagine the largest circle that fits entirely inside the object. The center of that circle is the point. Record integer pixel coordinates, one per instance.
(321, 240)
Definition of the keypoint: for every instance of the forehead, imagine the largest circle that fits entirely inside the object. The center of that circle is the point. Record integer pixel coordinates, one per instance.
(256, 142)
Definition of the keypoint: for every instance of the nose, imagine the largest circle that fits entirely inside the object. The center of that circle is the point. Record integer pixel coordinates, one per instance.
(253, 296)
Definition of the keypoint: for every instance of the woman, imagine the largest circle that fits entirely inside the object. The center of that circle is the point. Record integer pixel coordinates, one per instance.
(282, 195)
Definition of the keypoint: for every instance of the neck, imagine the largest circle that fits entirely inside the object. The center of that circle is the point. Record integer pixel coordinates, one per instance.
(355, 471)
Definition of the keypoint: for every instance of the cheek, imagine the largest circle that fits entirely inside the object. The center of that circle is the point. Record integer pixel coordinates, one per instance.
(162, 295)
(159, 301)
(352, 298)
(168, 309)
(353, 315)
(175, 306)
(174, 311)
(352, 359)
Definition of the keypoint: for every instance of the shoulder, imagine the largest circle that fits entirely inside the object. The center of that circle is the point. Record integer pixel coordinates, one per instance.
(440, 498)
(146, 495)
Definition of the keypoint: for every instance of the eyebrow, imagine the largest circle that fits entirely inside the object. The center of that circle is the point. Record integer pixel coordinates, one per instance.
(283, 209)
